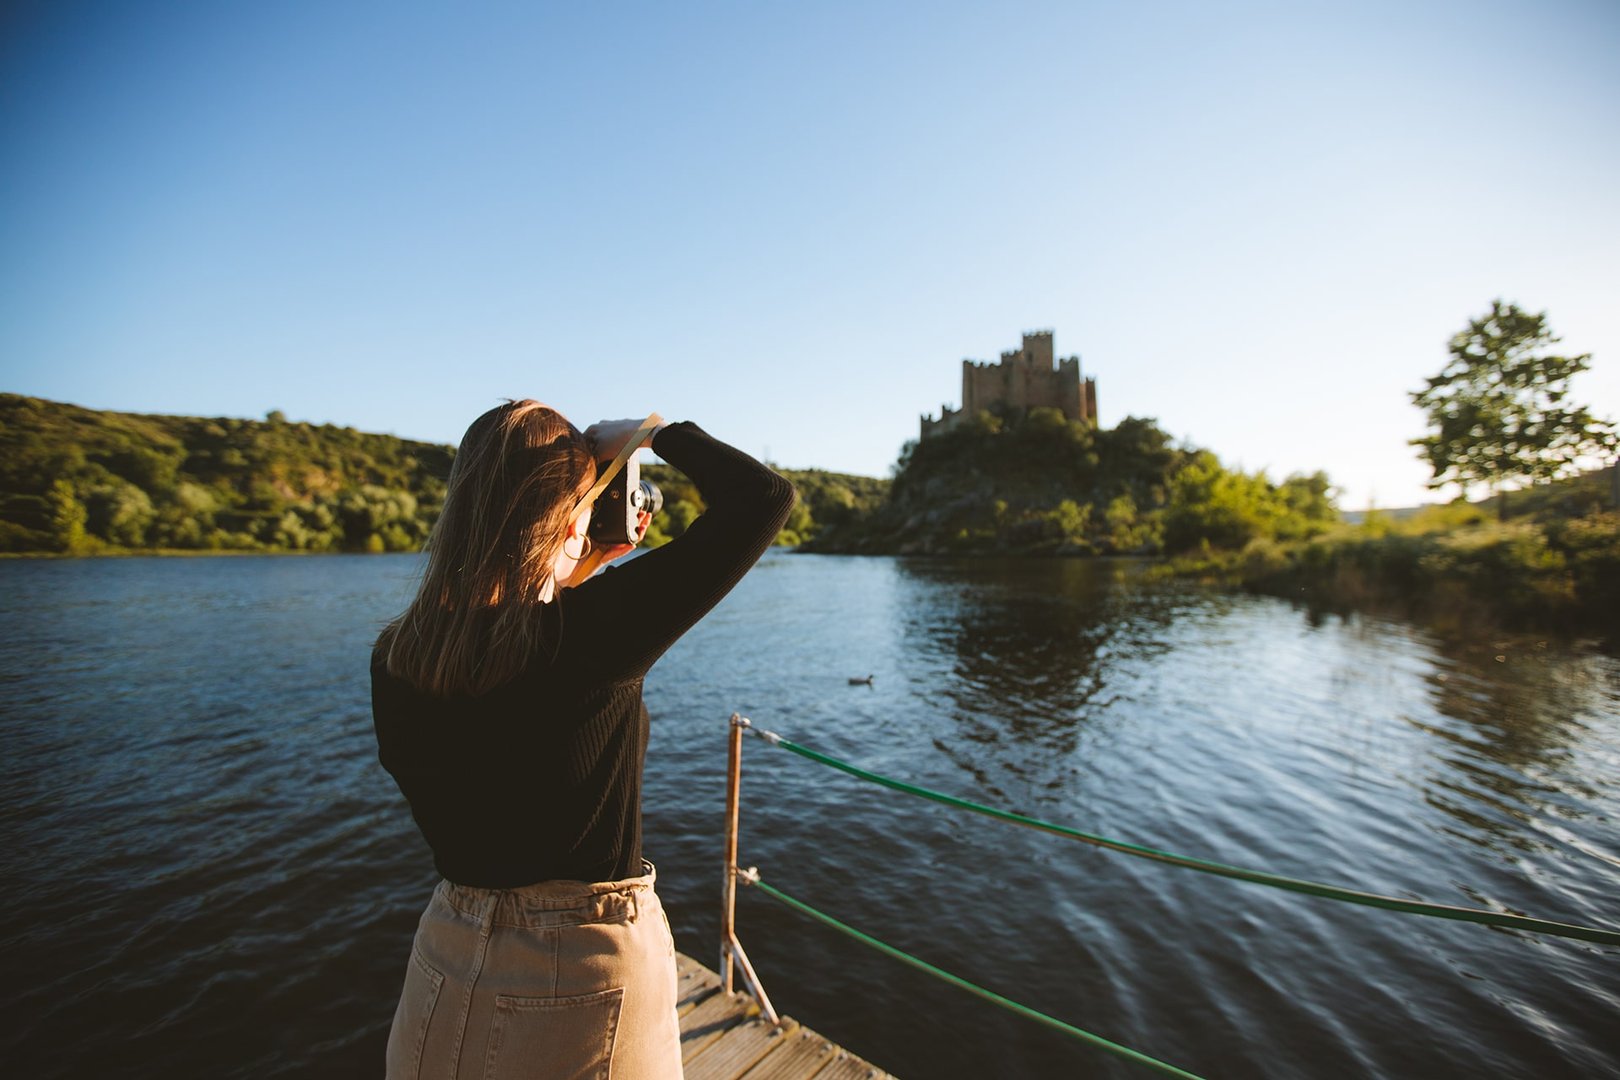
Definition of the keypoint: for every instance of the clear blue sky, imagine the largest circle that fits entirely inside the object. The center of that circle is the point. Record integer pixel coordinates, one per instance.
(1258, 223)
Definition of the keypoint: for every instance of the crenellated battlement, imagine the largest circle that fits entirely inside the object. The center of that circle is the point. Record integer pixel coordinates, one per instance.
(1024, 378)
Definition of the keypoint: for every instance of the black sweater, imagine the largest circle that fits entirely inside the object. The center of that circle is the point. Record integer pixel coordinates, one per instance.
(540, 778)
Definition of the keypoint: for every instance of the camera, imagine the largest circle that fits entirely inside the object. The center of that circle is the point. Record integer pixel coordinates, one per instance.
(615, 515)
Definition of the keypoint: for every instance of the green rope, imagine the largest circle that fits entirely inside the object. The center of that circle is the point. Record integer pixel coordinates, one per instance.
(989, 995)
(1311, 888)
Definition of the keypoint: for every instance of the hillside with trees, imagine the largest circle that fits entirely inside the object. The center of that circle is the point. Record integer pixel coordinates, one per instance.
(827, 501)
(83, 481)
(1037, 483)
(80, 481)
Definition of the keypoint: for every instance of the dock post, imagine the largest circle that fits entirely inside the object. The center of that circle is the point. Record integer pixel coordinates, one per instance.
(728, 893)
(731, 950)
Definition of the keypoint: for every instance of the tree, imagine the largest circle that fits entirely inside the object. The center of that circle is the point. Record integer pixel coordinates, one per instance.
(1225, 508)
(67, 518)
(119, 513)
(1499, 410)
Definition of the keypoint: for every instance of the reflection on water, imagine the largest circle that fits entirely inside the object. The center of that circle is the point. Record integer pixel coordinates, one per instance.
(1026, 645)
(1516, 716)
(203, 855)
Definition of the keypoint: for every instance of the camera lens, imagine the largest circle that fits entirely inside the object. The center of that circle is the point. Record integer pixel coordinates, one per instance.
(647, 497)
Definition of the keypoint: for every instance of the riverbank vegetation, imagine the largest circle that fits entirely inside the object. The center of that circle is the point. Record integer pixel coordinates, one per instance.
(79, 481)
(1036, 483)
(1553, 564)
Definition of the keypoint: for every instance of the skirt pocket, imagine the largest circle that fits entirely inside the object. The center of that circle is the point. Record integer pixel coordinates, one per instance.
(411, 1018)
(567, 1038)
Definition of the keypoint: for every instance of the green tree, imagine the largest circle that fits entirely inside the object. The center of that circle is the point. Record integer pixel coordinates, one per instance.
(800, 524)
(1308, 503)
(1070, 520)
(67, 518)
(1129, 532)
(119, 513)
(1499, 411)
(384, 515)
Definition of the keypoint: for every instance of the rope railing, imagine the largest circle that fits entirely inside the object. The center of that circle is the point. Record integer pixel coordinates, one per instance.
(1502, 919)
(752, 878)
(733, 956)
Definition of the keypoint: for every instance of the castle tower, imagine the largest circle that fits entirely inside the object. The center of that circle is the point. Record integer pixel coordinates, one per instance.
(1037, 350)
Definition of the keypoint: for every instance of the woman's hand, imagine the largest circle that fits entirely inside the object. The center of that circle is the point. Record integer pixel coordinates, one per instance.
(609, 437)
(643, 519)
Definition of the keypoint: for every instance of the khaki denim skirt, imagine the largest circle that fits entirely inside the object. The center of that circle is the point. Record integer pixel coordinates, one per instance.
(563, 980)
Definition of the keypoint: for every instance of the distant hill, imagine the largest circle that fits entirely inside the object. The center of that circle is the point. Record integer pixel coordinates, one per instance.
(85, 481)
(1570, 496)
(1394, 513)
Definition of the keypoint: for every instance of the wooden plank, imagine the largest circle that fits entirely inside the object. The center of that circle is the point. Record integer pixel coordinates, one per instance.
(694, 983)
(801, 1057)
(713, 1017)
(684, 963)
(723, 1037)
(846, 1066)
(739, 1049)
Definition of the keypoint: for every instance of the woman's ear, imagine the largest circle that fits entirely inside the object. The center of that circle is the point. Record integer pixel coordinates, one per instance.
(580, 524)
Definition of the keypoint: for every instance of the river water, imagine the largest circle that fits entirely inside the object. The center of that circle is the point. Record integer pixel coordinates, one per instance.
(208, 874)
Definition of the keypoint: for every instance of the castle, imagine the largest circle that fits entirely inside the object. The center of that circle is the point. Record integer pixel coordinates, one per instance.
(1024, 379)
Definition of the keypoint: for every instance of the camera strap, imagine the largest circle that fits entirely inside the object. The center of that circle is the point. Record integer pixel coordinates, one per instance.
(634, 443)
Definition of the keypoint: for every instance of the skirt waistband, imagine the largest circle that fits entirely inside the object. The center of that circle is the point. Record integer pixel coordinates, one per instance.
(554, 903)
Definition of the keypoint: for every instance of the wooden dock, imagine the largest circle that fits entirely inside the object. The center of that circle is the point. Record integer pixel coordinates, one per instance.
(723, 1037)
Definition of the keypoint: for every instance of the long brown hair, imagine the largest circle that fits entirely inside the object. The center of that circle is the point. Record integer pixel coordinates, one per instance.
(476, 621)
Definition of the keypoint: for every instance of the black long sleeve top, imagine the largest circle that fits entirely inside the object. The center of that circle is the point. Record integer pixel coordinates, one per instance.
(540, 778)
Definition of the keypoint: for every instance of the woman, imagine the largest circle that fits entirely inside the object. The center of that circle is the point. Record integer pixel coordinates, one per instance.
(507, 702)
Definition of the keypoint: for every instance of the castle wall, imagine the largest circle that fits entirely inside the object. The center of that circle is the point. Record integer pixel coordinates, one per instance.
(947, 417)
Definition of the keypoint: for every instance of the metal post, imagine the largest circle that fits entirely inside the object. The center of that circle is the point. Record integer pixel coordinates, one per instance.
(728, 893)
(731, 950)
(754, 985)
